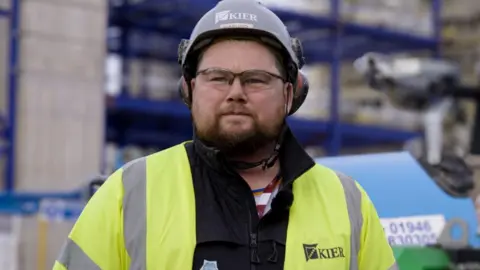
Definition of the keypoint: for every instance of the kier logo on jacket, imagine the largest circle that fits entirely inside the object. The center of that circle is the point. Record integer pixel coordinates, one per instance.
(312, 252)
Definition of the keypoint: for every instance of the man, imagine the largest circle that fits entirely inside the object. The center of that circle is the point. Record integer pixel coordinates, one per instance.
(243, 194)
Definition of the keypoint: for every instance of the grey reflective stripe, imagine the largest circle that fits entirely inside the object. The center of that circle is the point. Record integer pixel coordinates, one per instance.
(394, 267)
(73, 258)
(354, 206)
(134, 180)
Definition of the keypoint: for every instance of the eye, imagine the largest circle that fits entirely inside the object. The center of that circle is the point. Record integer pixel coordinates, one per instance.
(254, 80)
(216, 76)
(257, 78)
(219, 79)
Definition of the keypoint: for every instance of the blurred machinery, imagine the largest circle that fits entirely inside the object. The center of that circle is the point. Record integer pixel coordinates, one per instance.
(431, 86)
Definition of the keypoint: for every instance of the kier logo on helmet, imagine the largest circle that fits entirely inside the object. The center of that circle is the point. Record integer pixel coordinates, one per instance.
(226, 15)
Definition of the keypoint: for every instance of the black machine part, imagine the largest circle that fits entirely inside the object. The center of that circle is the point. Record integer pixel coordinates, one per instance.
(452, 175)
(470, 93)
(475, 142)
(460, 253)
(466, 258)
(94, 185)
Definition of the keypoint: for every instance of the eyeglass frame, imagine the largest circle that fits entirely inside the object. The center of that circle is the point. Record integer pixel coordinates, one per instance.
(234, 75)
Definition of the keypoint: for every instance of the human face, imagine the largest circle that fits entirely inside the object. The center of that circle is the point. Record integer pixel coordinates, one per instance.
(238, 117)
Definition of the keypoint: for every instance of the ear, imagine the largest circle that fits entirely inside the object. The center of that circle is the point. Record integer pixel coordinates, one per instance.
(183, 85)
(184, 92)
(288, 93)
(192, 83)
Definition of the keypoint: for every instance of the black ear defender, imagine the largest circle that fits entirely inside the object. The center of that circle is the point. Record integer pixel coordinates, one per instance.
(298, 50)
(301, 91)
(301, 85)
(182, 85)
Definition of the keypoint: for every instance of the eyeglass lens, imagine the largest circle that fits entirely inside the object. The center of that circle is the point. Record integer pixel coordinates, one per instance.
(249, 79)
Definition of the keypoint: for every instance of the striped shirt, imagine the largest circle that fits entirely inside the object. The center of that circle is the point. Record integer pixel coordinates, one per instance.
(264, 196)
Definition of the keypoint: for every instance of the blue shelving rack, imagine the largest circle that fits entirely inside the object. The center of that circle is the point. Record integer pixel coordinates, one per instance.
(151, 29)
(7, 118)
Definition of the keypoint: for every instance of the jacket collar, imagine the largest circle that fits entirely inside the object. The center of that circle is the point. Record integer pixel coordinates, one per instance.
(294, 161)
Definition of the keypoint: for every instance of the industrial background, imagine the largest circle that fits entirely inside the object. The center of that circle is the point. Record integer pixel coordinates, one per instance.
(86, 85)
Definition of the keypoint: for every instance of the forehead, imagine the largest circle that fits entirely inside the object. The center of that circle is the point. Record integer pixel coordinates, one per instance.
(238, 55)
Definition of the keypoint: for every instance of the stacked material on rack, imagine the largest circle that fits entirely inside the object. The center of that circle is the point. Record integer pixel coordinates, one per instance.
(316, 105)
(380, 112)
(461, 34)
(152, 79)
(305, 6)
(4, 4)
(116, 156)
(404, 15)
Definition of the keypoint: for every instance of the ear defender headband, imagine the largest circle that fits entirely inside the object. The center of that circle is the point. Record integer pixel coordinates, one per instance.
(300, 84)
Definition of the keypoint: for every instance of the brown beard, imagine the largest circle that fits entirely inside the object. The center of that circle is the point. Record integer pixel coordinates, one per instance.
(237, 145)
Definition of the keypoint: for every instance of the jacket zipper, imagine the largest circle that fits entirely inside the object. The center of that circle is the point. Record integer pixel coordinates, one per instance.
(252, 230)
(253, 239)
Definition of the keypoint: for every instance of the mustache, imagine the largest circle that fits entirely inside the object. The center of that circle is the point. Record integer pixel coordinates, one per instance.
(235, 110)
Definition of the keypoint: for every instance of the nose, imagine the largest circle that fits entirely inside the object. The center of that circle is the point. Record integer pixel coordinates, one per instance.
(236, 93)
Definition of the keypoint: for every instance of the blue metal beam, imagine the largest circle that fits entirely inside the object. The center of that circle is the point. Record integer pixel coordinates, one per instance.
(28, 203)
(4, 12)
(335, 135)
(12, 67)
(179, 112)
(168, 108)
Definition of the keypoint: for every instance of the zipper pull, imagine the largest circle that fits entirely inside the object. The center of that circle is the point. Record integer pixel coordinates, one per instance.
(254, 258)
(253, 240)
(274, 257)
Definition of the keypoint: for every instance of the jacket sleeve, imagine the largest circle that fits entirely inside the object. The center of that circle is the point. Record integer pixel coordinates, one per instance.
(96, 240)
(375, 251)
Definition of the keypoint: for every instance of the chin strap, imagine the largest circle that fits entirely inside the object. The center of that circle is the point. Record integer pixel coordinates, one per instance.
(266, 163)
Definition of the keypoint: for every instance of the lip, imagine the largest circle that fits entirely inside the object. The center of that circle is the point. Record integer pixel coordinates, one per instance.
(228, 114)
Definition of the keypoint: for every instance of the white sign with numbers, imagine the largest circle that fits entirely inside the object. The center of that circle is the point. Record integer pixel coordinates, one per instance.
(414, 230)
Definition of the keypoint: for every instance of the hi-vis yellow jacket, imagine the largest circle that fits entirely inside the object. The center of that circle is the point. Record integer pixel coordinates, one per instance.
(137, 221)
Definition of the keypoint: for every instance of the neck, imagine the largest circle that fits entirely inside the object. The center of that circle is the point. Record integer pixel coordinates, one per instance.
(260, 154)
(258, 177)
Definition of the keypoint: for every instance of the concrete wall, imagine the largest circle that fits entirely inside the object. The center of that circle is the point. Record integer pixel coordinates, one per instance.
(60, 117)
